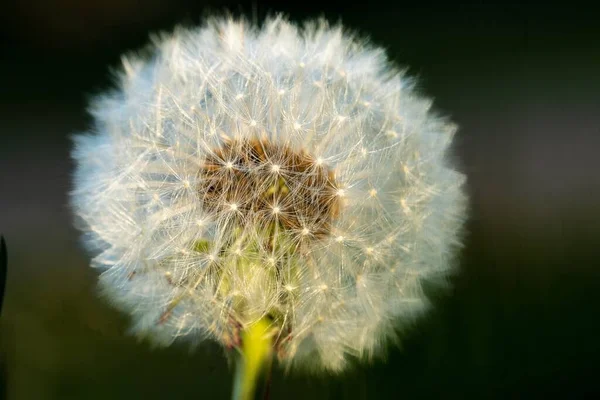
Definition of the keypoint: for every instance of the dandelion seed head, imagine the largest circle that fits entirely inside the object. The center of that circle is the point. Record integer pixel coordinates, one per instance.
(282, 171)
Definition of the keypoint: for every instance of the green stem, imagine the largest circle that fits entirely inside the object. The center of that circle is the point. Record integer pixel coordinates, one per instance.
(253, 363)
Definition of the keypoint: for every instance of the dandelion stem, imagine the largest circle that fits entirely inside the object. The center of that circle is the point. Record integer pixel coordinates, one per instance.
(253, 364)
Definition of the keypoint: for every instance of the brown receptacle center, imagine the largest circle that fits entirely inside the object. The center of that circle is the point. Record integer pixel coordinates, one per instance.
(264, 183)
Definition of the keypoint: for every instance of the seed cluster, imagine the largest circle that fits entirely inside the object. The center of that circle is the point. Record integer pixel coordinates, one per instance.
(267, 183)
(284, 173)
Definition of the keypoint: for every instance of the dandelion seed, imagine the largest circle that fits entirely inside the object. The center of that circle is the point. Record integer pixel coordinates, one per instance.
(237, 223)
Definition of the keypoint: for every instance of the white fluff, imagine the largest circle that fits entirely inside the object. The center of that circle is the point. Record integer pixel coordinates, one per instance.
(182, 270)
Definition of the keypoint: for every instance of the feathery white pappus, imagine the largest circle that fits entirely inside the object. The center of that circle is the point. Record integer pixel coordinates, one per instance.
(245, 172)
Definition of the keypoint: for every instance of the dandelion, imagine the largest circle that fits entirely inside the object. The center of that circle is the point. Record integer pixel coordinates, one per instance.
(281, 190)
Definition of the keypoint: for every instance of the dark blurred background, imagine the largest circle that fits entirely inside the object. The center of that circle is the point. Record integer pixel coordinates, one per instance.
(522, 82)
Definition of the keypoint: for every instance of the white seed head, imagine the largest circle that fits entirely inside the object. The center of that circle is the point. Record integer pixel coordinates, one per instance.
(221, 185)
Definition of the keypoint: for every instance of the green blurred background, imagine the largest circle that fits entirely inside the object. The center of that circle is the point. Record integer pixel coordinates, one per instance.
(522, 321)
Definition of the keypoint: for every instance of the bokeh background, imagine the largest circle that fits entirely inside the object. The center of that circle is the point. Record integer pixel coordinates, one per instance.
(522, 82)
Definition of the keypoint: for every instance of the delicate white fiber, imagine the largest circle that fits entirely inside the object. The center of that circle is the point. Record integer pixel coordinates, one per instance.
(291, 172)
